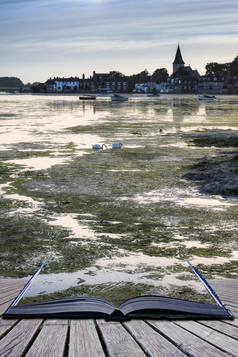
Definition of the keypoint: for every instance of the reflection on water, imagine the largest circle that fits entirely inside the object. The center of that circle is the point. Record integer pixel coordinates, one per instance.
(41, 131)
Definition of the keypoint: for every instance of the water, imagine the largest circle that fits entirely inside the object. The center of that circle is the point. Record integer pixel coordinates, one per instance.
(148, 218)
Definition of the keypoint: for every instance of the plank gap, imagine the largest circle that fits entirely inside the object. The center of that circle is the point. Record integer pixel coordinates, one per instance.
(205, 339)
(137, 341)
(169, 339)
(66, 349)
(8, 328)
(101, 338)
(31, 342)
(217, 329)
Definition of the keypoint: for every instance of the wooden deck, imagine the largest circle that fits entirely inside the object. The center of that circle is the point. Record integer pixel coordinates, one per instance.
(135, 338)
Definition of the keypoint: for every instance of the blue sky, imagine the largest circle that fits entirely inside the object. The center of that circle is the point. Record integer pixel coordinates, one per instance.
(44, 38)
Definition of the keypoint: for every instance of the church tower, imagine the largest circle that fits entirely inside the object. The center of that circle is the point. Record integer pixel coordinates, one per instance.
(178, 61)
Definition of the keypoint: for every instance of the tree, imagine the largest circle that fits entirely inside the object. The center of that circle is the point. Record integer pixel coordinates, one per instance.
(115, 75)
(234, 66)
(143, 76)
(11, 83)
(214, 68)
(182, 72)
(159, 75)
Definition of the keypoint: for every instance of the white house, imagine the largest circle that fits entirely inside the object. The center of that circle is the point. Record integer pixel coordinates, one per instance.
(67, 84)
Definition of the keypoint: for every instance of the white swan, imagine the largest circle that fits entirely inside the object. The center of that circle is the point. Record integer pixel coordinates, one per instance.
(98, 147)
(116, 146)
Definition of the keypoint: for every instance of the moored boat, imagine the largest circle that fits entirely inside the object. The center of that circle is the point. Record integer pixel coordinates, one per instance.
(152, 95)
(206, 97)
(87, 97)
(118, 98)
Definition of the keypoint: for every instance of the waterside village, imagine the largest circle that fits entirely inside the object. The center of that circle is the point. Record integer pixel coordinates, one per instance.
(219, 79)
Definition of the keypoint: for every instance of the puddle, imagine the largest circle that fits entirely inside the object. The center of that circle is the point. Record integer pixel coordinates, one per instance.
(105, 271)
(70, 222)
(33, 205)
(39, 163)
(115, 271)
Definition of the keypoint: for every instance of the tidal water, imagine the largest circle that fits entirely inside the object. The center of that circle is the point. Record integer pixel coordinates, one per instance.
(164, 126)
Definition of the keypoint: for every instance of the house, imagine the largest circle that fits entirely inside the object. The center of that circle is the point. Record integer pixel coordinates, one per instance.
(183, 84)
(232, 84)
(117, 85)
(50, 86)
(164, 86)
(62, 85)
(219, 84)
(110, 82)
(67, 85)
(146, 87)
(211, 84)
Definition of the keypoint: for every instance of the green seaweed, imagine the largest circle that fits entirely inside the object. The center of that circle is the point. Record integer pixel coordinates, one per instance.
(110, 186)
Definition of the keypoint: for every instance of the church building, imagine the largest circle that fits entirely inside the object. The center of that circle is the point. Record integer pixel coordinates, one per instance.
(184, 79)
(178, 61)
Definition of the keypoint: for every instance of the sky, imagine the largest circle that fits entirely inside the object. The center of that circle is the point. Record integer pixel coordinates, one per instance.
(40, 39)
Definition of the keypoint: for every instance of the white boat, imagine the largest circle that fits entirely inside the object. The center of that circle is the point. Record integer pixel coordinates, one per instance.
(206, 97)
(118, 98)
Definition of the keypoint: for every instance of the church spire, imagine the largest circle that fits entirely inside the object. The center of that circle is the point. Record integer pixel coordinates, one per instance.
(178, 61)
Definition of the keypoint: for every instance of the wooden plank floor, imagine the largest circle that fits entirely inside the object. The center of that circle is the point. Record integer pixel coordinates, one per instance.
(134, 338)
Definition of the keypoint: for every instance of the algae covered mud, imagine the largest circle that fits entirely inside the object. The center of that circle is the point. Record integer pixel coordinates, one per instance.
(118, 222)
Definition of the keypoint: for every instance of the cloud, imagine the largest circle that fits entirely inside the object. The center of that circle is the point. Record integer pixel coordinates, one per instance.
(67, 31)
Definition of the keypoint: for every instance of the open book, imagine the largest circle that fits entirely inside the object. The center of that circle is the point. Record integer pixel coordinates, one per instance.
(148, 306)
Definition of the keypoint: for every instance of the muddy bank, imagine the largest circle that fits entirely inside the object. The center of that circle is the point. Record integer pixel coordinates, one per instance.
(116, 216)
(216, 175)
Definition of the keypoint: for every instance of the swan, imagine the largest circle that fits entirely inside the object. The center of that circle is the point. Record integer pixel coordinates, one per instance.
(116, 146)
(98, 147)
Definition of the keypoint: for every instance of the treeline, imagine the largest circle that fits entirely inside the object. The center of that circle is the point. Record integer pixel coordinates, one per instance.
(143, 77)
(11, 83)
(214, 68)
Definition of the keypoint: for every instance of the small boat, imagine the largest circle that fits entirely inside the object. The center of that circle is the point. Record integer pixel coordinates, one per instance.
(206, 97)
(87, 97)
(118, 98)
(152, 95)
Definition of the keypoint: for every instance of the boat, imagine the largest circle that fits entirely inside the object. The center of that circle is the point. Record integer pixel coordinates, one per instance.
(153, 95)
(118, 98)
(87, 97)
(206, 97)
